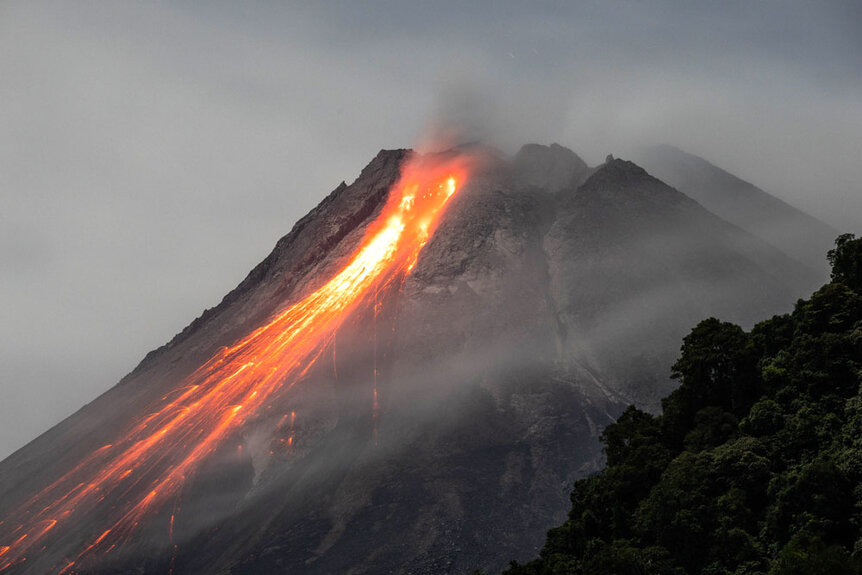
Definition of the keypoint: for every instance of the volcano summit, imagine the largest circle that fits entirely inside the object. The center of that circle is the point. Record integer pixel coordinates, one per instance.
(408, 383)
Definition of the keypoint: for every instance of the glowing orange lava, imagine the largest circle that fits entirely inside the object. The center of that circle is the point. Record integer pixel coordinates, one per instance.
(158, 454)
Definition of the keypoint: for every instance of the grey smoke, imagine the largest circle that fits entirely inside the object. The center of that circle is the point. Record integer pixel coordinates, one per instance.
(152, 153)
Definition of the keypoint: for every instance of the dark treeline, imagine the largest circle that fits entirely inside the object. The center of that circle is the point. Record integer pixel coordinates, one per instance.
(754, 465)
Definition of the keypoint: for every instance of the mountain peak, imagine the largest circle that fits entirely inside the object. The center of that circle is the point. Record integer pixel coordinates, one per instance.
(619, 167)
(553, 168)
(618, 178)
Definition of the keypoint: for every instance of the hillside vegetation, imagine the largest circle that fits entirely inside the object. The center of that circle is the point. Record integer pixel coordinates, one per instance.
(754, 465)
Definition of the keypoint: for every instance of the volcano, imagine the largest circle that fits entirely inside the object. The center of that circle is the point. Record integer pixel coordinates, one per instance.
(409, 383)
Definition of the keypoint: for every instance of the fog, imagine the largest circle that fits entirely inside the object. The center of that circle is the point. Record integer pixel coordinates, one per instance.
(152, 153)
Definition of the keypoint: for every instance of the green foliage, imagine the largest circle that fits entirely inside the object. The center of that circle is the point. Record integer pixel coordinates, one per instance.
(846, 261)
(754, 465)
(808, 554)
(717, 368)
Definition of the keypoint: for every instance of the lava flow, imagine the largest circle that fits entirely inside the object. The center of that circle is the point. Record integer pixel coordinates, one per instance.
(122, 484)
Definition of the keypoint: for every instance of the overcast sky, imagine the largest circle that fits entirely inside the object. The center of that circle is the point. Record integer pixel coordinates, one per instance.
(151, 153)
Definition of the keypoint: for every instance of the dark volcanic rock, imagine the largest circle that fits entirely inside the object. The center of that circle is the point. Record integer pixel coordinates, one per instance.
(541, 307)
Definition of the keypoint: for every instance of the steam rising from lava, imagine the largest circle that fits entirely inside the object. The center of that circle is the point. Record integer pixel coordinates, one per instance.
(160, 453)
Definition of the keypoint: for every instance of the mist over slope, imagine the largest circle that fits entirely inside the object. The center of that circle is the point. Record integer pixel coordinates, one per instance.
(442, 428)
(791, 230)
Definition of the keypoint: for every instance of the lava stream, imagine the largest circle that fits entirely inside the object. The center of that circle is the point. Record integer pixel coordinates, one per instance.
(159, 453)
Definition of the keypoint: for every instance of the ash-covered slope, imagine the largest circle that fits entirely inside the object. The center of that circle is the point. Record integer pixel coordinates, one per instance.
(542, 305)
(796, 233)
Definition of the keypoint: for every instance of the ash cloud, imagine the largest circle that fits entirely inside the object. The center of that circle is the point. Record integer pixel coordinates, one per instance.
(472, 105)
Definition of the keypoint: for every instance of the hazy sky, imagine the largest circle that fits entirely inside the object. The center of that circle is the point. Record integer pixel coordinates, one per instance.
(151, 153)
